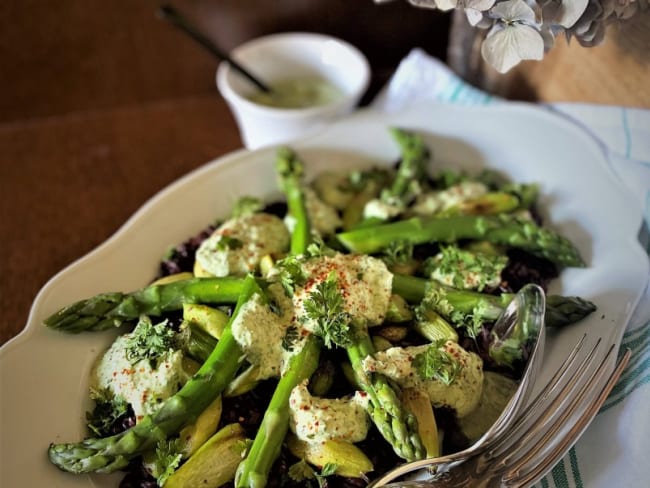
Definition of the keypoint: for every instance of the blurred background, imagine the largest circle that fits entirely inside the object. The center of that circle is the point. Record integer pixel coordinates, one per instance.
(102, 104)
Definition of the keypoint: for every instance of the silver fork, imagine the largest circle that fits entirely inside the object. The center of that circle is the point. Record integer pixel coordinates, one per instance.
(542, 434)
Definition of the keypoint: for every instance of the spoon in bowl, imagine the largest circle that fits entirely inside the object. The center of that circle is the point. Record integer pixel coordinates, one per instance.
(173, 16)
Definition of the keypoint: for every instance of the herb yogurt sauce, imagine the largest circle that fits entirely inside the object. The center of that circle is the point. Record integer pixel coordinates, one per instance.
(364, 282)
(296, 93)
(237, 246)
(260, 332)
(320, 419)
(462, 395)
(144, 385)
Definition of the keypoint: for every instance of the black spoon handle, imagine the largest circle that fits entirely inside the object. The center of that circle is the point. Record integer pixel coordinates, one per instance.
(173, 16)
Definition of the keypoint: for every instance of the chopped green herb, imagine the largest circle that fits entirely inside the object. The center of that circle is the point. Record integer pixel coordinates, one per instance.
(168, 458)
(108, 408)
(227, 243)
(398, 252)
(325, 306)
(149, 341)
(301, 471)
(290, 338)
(465, 269)
(437, 363)
(291, 273)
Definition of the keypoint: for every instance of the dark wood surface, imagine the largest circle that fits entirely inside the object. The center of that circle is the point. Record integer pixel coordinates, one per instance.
(102, 105)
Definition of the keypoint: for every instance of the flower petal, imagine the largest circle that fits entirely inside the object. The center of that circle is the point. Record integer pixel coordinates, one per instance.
(473, 16)
(514, 10)
(447, 4)
(571, 11)
(506, 47)
(423, 3)
(480, 5)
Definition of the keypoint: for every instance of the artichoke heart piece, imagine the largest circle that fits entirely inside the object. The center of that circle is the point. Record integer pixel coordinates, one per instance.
(209, 319)
(418, 403)
(215, 462)
(196, 434)
(350, 461)
(185, 275)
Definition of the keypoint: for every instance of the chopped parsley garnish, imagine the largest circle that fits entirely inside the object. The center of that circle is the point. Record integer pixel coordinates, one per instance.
(227, 243)
(465, 268)
(398, 252)
(149, 341)
(108, 408)
(301, 471)
(325, 306)
(291, 336)
(168, 458)
(291, 274)
(436, 363)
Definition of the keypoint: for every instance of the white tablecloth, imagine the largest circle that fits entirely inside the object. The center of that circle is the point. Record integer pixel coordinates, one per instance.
(596, 461)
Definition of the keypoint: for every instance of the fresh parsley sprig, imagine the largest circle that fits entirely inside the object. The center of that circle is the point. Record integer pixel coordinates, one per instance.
(167, 459)
(436, 363)
(291, 273)
(324, 305)
(149, 341)
(398, 252)
(108, 408)
(301, 471)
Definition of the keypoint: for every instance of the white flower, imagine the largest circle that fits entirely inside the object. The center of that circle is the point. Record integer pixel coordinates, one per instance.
(514, 37)
(570, 12)
(473, 8)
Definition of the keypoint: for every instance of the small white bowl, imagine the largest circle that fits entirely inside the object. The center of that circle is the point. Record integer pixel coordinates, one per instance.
(291, 55)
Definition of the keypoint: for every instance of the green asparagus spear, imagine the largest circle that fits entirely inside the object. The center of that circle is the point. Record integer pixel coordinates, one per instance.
(502, 229)
(560, 310)
(412, 167)
(253, 471)
(109, 310)
(395, 423)
(290, 170)
(108, 454)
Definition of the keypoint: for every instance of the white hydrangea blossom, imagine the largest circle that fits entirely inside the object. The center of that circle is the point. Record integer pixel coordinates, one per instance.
(525, 29)
(514, 37)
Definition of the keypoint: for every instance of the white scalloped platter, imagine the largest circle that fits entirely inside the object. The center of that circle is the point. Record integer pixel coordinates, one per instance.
(43, 373)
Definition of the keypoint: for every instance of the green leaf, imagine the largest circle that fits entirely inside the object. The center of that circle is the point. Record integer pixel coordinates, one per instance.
(291, 274)
(398, 252)
(301, 471)
(459, 264)
(168, 458)
(149, 341)
(108, 408)
(227, 243)
(329, 469)
(291, 336)
(437, 363)
(325, 306)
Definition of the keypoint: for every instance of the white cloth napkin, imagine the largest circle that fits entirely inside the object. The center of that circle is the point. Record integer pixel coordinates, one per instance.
(613, 451)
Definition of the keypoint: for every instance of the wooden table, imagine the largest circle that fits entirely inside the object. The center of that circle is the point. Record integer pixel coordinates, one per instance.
(68, 183)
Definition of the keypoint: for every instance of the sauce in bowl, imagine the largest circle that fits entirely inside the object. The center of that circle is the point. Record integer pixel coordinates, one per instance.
(293, 93)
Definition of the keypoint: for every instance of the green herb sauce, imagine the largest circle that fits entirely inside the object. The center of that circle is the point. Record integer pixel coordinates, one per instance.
(298, 93)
